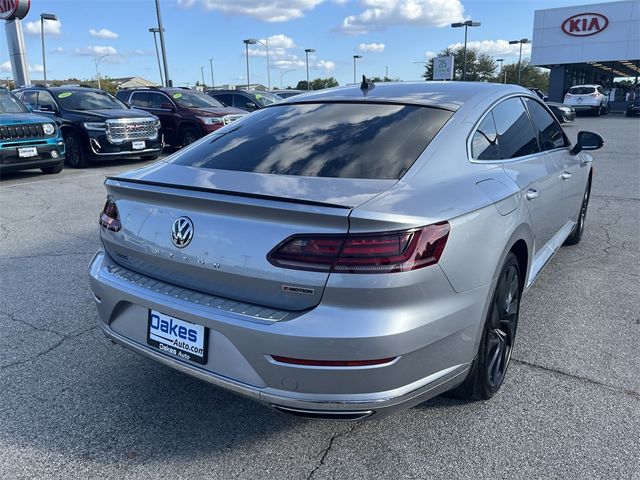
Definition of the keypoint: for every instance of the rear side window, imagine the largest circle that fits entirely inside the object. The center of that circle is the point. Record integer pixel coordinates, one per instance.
(484, 144)
(549, 132)
(225, 98)
(345, 140)
(140, 99)
(581, 90)
(516, 137)
(158, 100)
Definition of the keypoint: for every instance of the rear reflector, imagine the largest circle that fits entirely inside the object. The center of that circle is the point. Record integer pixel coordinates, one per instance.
(333, 363)
(386, 252)
(109, 218)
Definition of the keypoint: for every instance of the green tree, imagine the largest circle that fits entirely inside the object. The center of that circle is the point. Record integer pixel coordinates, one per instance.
(530, 75)
(480, 66)
(318, 83)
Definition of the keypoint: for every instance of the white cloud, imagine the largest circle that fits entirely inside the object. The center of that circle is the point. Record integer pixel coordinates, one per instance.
(37, 68)
(497, 47)
(371, 47)
(51, 27)
(265, 10)
(379, 14)
(103, 33)
(325, 65)
(282, 57)
(57, 50)
(96, 50)
(429, 54)
(5, 67)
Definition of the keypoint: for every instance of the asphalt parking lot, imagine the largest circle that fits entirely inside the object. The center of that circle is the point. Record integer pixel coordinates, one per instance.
(74, 405)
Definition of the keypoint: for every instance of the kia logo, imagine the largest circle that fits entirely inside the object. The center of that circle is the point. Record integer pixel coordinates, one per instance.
(585, 24)
(10, 9)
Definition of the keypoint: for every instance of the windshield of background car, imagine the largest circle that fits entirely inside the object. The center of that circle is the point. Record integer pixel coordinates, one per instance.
(195, 100)
(88, 100)
(344, 140)
(582, 90)
(265, 99)
(10, 104)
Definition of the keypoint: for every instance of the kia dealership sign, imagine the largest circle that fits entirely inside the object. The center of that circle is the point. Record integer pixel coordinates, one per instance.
(585, 24)
(10, 9)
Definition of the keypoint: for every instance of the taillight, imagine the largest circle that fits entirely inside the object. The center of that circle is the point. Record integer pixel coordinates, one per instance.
(387, 252)
(109, 218)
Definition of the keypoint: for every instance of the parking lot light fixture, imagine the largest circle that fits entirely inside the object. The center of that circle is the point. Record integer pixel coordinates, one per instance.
(167, 80)
(213, 84)
(97, 72)
(282, 74)
(521, 42)
(355, 58)
(43, 17)
(466, 24)
(155, 41)
(247, 42)
(500, 60)
(307, 51)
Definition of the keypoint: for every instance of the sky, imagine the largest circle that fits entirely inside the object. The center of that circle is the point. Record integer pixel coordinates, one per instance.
(389, 34)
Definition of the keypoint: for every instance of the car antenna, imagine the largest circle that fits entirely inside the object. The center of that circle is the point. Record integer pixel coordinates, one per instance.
(366, 85)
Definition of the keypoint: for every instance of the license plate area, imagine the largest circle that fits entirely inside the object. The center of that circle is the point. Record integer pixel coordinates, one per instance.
(177, 338)
(138, 145)
(27, 152)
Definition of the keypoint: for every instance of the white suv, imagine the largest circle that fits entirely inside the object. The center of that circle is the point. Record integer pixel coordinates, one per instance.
(587, 97)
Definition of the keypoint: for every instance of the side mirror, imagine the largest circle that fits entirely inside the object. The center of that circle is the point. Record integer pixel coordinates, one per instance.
(587, 141)
(166, 106)
(251, 105)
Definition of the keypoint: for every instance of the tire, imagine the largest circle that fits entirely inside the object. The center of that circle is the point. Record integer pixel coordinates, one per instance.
(74, 153)
(489, 368)
(54, 169)
(598, 111)
(149, 158)
(189, 135)
(576, 234)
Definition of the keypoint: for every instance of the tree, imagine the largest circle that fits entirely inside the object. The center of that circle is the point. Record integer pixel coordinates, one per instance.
(318, 83)
(480, 66)
(530, 76)
(382, 80)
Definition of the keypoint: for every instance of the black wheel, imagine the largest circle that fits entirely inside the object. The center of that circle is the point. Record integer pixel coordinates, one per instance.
(74, 153)
(54, 169)
(598, 111)
(189, 135)
(149, 158)
(576, 234)
(489, 368)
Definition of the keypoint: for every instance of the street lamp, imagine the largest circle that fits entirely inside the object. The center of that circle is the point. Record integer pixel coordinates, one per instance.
(155, 41)
(500, 74)
(167, 81)
(307, 51)
(282, 74)
(521, 42)
(97, 72)
(355, 58)
(43, 17)
(265, 44)
(247, 42)
(466, 25)
(213, 84)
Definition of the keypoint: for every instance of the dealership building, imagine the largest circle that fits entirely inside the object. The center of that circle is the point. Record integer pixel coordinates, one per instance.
(588, 44)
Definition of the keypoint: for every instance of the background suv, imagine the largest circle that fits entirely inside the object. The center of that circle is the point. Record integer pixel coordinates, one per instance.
(587, 98)
(96, 125)
(248, 100)
(185, 115)
(27, 140)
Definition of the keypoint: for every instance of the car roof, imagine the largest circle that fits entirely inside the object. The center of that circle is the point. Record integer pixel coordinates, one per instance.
(586, 85)
(449, 95)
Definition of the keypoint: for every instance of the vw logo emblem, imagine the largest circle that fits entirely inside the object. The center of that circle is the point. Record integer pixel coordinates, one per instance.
(182, 232)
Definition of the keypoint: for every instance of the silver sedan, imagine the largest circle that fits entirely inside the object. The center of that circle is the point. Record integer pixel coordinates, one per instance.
(347, 253)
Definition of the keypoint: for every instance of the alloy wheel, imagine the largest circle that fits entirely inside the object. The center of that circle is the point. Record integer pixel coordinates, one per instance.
(72, 151)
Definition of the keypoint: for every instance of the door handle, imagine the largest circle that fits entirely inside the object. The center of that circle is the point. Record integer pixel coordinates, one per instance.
(565, 176)
(532, 193)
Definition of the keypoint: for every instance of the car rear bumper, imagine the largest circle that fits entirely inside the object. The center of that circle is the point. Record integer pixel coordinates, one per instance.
(427, 360)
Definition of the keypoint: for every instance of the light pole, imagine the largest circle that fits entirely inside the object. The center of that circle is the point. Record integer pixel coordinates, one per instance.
(521, 42)
(167, 80)
(307, 51)
(265, 44)
(213, 84)
(155, 41)
(97, 72)
(466, 24)
(355, 58)
(282, 74)
(247, 42)
(202, 72)
(43, 17)
(500, 74)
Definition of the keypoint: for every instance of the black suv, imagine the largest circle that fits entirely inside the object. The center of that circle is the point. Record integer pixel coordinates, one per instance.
(96, 125)
(248, 100)
(185, 114)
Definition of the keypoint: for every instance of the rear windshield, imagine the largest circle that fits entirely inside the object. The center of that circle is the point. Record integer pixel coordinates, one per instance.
(345, 140)
(264, 98)
(195, 100)
(582, 90)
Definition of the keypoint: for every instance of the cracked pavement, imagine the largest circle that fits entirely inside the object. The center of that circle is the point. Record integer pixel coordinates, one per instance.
(74, 405)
